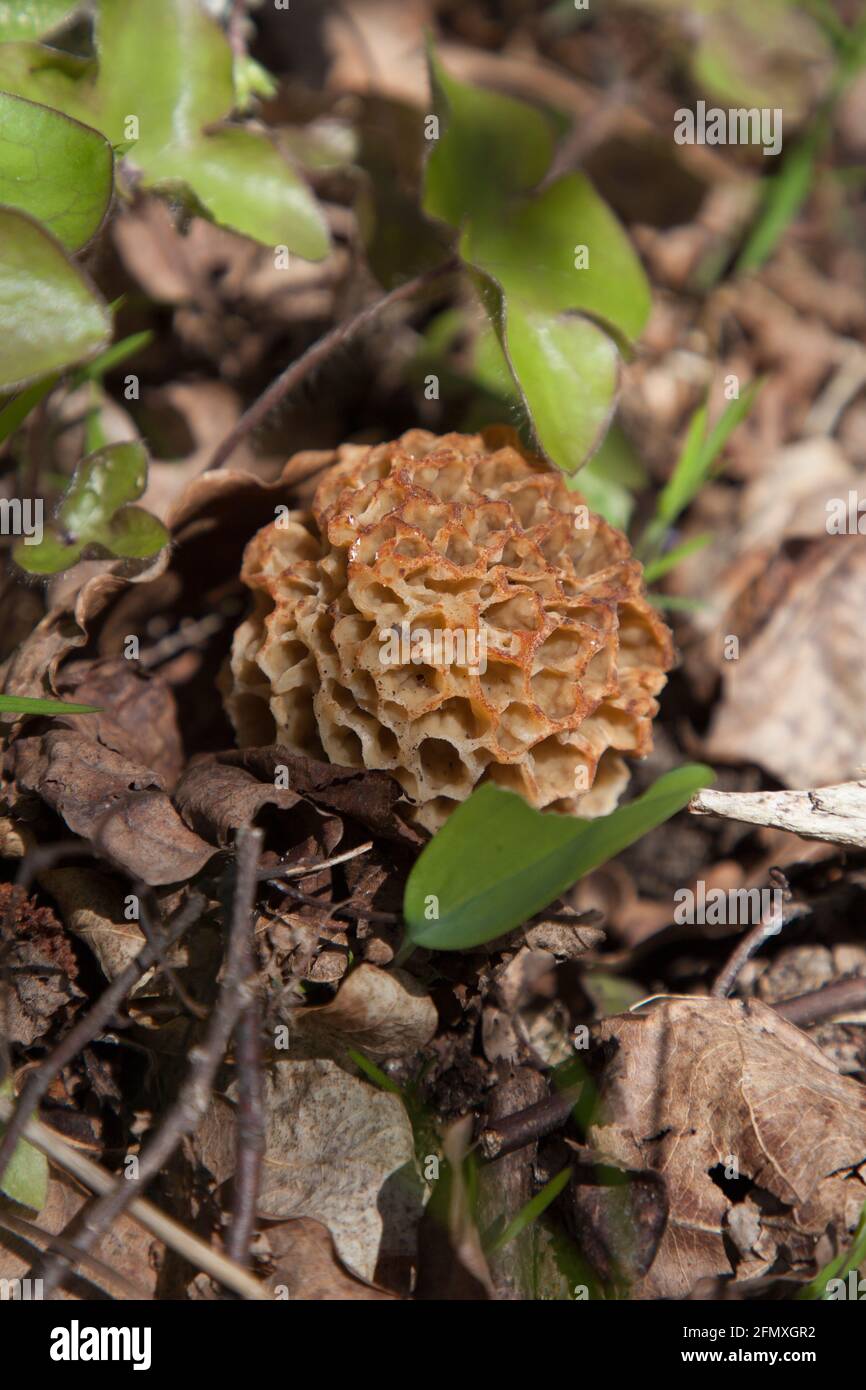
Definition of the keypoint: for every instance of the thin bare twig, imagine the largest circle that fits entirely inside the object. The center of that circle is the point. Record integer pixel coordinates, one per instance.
(186, 1113)
(250, 1140)
(770, 925)
(91, 1024)
(313, 358)
(163, 1227)
(313, 867)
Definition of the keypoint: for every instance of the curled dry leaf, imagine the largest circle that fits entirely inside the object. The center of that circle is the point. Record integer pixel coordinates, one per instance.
(697, 1087)
(93, 908)
(809, 655)
(333, 1143)
(369, 797)
(136, 715)
(117, 803)
(381, 1013)
(837, 814)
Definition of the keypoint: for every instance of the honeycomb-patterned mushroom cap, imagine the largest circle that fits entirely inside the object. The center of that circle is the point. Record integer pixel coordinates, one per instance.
(451, 612)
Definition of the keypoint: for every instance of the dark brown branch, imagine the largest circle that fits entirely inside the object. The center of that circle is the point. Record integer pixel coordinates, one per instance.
(320, 351)
(524, 1126)
(842, 996)
(186, 1113)
(769, 926)
(91, 1024)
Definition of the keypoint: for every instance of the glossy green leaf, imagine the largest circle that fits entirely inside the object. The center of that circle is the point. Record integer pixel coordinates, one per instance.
(26, 704)
(55, 169)
(51, 316)
(568, 372)
(490, 147)
(26, 1177)
(497, 860)
(535, 251)
(243, 182)
(102, 483)
(163, 81)
(97, 515)
(557, 273)
(30, 19)
(168, 65)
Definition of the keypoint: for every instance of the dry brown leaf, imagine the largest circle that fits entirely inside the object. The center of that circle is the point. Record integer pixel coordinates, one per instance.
(333, 1143)
(795, 700)
(92, 906)
(381, 1013)
(307, 1267)
(118, 803)
(693, 1086)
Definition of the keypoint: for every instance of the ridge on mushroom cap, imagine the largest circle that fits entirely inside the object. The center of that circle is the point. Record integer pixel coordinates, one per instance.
(450, 612)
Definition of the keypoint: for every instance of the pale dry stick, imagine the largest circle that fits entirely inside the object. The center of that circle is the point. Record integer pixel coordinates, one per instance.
(184, 1116)
(319, 353)
(303, 870)
(164, 1228)
(88, 1027)
(33, 1234)
(250, 1136)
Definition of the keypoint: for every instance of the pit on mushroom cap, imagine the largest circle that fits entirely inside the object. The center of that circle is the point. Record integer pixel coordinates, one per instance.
(450, 612)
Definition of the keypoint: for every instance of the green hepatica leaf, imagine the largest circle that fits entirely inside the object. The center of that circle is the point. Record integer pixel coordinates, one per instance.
(54, 168)
(244, 182)
(491, 146)
(170, 66)
(558, 275)
(51, 316)
(29, 19)
(26, 1177)
(497, 860)
(164, 81)
(568, 371)
(96, 514)
(133, 534)
(102, 483)
(535, 252)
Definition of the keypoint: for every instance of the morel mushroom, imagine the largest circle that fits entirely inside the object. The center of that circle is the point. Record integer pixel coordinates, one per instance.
(451, 612)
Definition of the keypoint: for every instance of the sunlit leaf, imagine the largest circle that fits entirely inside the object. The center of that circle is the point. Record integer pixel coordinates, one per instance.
(497, 860)
(26, 1177)
(162, 85)
(97, 516)
(51, 316)
(55, 169)
(30, 19)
